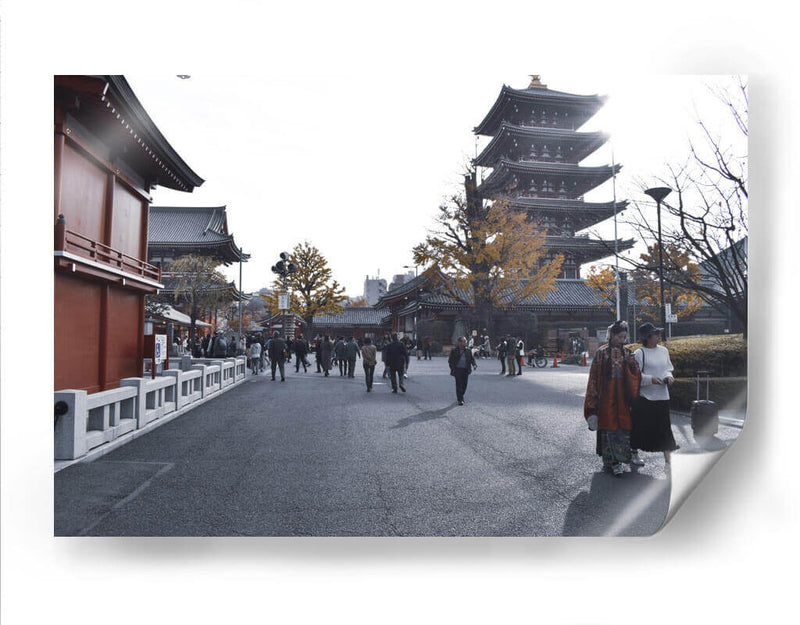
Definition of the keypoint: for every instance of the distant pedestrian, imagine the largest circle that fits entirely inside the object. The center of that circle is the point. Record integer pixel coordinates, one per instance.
(369, 357)
(614, 379)
(351, 353)
(502, 348)
(318, 352)
(326, 355)
(652, 428)
(396, 360)
(519, 353)
(300, 351)
(339, 351)
(220, 347)
(242, 347)
(462, 363)
(254, 356)
(384, 345)
(408, 344)
(277, 355)
(426, 348)
(510, 356)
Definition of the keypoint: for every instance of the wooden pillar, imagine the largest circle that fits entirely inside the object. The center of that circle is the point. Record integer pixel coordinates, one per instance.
(58, 155)
(103, 347)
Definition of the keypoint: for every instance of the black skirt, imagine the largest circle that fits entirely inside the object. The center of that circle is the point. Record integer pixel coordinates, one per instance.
(652, 430)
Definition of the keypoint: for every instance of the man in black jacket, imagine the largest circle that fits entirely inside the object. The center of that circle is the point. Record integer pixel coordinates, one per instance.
(396, 361)
(300, 351)
(277, 354)
(462, 363)
(351, 352)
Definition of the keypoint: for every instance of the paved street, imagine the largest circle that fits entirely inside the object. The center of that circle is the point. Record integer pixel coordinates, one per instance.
(319, 456)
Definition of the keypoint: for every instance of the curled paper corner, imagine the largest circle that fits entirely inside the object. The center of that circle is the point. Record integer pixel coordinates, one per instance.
(687, 470)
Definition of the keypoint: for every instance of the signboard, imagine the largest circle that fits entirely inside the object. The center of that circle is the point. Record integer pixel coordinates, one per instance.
(672, 318)
(668, 309)
(283, 301)
(160, 351)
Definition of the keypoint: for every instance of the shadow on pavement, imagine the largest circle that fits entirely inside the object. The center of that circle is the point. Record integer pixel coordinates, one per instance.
(632, 505)
(422, 417)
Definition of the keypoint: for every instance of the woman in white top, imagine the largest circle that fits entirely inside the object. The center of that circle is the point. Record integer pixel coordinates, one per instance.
(652, 429)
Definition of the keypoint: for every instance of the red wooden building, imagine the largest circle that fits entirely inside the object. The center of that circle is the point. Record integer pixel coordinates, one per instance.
(108, 157)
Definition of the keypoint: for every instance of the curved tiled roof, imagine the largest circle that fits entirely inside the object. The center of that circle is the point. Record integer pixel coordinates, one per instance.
(351, 316)
(536, 95)
(193, 229)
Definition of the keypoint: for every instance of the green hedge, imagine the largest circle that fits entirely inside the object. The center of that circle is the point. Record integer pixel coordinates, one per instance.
(730, 393)
(723, 356)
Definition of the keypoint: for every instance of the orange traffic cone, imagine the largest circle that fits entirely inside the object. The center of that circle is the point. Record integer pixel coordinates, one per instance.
(555, 360)
(561, 359)
(584, 359)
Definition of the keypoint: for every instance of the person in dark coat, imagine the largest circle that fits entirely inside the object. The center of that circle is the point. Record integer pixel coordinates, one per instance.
(318, 352)
(277, 355)
(204, 345)
(220, 348)
(396, 354)
(351, 352)
(502, 349)
(300, 351)
(382, 347)
(326, 354)
(339, 351)
(462, 363)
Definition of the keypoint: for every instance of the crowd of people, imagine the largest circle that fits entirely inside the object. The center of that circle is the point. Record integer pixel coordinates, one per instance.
(627, 394)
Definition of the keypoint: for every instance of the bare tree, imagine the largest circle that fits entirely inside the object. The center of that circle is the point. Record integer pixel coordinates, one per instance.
(707, 213)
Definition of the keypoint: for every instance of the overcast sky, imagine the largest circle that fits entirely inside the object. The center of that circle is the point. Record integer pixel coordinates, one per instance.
(357, 164)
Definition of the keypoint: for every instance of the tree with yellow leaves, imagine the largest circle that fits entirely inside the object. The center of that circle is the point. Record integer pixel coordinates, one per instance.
(601, 281)
(312, 287)
(678, 269)
(491, 256)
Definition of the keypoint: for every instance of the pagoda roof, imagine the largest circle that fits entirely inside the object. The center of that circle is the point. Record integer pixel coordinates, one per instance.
(170, 282)
(187, 230)
(586, 177)
(558, 205)
(588, 141)
(535, 95)
(585, 248)
(108, 108)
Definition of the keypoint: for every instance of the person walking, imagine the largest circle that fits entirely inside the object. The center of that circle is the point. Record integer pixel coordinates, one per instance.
(242, 348)
(502, 349)
(300, 351)
(220, 347)
(340, 350)
(396, 360)
(255, 356)
(369, 358)
(326, 354)
(652, 428)
(318, 352)
(462, 363)
(408, 344)
(614, 380)
(510, 356)
(519, 353)
(383, 346)
(277, 355)
(426, 347)
(351, 353)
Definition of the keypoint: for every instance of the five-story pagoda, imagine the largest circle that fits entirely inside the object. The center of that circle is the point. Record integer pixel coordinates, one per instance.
(534, 155)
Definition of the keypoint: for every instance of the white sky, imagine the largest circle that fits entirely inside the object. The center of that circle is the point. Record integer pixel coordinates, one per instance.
(357, 163)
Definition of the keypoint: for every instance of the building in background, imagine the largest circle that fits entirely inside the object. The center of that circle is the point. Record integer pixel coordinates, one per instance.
(109, 156)
(400, 279)
(374, 289)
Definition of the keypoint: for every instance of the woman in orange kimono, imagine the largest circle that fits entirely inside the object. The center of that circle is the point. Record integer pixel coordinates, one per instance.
(614, 380)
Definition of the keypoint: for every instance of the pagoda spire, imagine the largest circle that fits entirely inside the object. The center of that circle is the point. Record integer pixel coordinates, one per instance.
(536, 81)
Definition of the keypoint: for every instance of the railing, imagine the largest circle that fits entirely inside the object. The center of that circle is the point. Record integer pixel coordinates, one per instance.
(91, 421)
(69, 241)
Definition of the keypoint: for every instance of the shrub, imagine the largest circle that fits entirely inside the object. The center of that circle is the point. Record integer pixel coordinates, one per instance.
(726, 392)
(723, 356)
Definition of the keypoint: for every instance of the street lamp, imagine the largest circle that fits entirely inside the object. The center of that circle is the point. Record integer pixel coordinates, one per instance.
(658, 194)
(415, 314)
(283, 268)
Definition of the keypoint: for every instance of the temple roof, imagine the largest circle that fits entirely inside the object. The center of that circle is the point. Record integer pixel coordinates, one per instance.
(567, 295)
(586, 142)
(586, 249)
(586, 178)
(350, 317)
(186, 230)
(584, 105)
(108, 108)
(557, 205)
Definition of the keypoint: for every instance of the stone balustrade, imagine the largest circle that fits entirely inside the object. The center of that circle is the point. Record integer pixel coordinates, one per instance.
(89, 423)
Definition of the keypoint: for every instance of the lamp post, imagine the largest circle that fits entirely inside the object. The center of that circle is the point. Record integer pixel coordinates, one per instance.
(415, 314)
(283, 268)
(658, 194)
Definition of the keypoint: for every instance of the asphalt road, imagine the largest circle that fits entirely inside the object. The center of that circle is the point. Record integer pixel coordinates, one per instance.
(319, 456)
